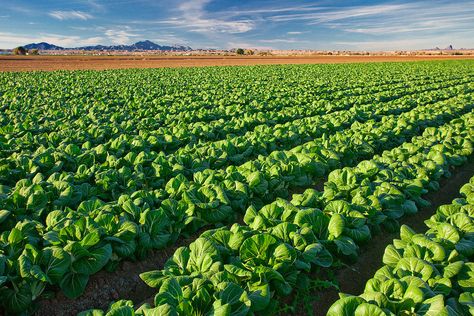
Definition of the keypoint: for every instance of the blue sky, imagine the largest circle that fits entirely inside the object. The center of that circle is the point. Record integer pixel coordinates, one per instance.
(278, 24)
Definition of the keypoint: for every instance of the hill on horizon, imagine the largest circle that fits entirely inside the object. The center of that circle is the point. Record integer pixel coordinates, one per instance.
(138, 46)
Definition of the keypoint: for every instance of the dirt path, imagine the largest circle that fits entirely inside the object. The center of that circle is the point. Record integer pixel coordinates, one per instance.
(77, 62)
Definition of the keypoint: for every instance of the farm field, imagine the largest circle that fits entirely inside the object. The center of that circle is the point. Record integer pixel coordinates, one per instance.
(89, 62)
(237, 190)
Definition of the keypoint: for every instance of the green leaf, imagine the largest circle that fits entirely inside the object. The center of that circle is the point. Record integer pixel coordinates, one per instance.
(441, 286)
(409, 207)
(436, 251)
(17, 300)
(90, 206)
(260, 296)
(202, 255)
(221, 309)
(258, 248)
(180, 259)
(452, 269)
(466, 277)
(346, 246)
(73, 284)
(15, 236)
(121, 311)
(4, 215)
(91, 239)
(466, 299)
(318, 255)
(93, 263)
(406, 233)
(153, 278)
(414, 266)
(161, 310)
(465, 247)
(345, 306)
(231, 293)
(38, 274)
(447, 232)
(336, 225)
(24, 265)
(3, 280)
(368, 167)
(414, 294)
(37, 200)
(432, 307)
(172, 288)
(314, 219)
(359, 234)
(284, 253)
(366, 309)
(337, 207)
(391, 256)
(257, 183)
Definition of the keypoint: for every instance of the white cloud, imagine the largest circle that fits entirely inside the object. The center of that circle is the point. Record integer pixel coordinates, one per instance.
(294, 33)
(193, 17)
(96, 6)
(419, 18)
(70, 15)
(270, 10)
(120, 36)
(327, 14)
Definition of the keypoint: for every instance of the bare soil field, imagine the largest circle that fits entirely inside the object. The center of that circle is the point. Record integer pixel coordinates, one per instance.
(49, 63)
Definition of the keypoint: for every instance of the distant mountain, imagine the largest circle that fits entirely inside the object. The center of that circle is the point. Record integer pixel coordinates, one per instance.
(43, 46)
(138, 46)
(449, 47)
(147, 45)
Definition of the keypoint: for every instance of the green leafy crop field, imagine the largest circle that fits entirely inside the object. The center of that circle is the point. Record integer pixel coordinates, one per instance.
(278, 176)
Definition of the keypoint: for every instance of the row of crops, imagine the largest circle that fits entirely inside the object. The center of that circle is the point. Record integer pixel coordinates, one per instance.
(426, 274)
(101, 167)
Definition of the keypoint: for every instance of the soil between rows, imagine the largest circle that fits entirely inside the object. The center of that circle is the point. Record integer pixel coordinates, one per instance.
(104, 287)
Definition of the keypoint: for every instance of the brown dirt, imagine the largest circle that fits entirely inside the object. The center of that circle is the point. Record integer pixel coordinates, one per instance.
(352, 279)
(77, 62)
(105, 287)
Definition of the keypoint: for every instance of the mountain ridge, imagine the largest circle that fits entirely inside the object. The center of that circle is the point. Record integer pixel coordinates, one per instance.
(138, 46)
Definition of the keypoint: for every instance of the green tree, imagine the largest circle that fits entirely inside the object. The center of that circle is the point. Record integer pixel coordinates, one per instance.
(33, 52)
(20, 50)
(240, 51)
